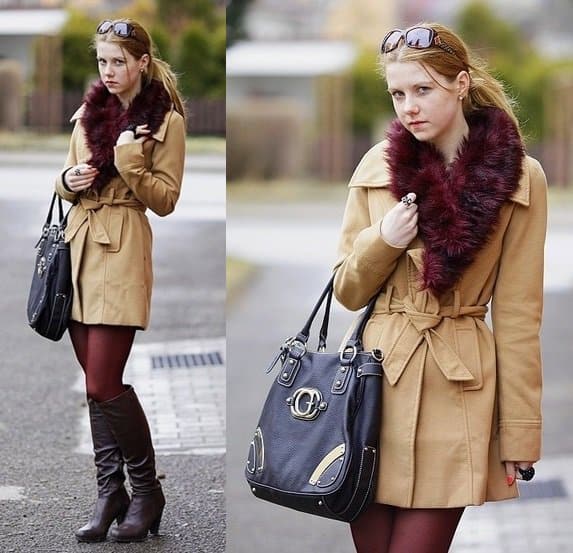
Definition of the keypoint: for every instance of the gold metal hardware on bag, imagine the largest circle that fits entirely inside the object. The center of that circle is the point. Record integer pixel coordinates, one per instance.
(329, 458)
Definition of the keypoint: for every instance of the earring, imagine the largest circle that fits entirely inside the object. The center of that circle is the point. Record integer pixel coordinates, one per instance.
(141, 70)
(461, 97)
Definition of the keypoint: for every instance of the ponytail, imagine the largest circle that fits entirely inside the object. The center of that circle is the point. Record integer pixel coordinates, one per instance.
(486, 91)
(162, 72)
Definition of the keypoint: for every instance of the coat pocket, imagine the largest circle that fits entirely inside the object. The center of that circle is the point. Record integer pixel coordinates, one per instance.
(467, 345)
(115, 228)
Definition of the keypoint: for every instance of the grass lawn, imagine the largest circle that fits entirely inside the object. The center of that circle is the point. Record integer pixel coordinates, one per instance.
(238, 272)
(59, 142)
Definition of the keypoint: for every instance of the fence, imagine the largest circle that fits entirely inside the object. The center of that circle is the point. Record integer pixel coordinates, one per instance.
(204, 116)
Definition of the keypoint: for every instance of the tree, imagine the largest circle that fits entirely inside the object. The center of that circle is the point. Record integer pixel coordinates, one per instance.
(178, 13)
(202, 61)
(512, 59)
(235, 15)
(78, 58)
(370, 100)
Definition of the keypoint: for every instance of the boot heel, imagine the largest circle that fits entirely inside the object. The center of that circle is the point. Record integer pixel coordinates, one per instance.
(154, 528)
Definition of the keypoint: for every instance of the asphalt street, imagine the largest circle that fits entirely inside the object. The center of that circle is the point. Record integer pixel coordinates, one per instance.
(293, 247)
(47, 487)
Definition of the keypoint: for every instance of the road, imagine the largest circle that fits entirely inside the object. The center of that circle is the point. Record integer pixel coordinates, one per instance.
(294, 246)
(47, 484)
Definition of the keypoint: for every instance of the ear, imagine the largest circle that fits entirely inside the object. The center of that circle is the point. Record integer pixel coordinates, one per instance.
(462, 83)
(144, 62)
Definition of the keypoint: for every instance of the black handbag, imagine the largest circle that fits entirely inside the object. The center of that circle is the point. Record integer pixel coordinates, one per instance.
(315, 448)
(50, 299)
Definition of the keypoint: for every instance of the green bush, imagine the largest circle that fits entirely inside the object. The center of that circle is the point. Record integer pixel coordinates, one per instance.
(370, 98)
(512, 59)
(79, 62)
(202, 61)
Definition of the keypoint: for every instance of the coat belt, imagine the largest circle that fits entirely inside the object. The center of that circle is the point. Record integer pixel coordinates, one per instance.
(422, 318)
(93, 211)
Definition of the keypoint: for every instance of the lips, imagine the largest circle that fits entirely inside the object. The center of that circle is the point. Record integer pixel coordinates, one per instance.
(417, 123)
(110, 83)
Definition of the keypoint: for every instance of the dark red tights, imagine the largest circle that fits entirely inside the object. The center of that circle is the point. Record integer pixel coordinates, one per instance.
(102, 351)
(387, 529)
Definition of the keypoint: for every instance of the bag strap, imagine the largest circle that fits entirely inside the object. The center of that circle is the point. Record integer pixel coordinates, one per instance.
(62, 219)
(355, 339)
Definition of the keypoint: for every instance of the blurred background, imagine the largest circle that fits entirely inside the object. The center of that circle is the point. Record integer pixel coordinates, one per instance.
(302, 78)
(305, 101)
(46, 62)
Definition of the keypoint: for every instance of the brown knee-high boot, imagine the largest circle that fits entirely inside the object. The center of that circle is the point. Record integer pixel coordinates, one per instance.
(129, 426)
(113, 501)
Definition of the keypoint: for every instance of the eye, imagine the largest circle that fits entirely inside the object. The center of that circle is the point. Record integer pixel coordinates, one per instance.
(119, 62)
(397, 94)
(101, 61)
(423, 90)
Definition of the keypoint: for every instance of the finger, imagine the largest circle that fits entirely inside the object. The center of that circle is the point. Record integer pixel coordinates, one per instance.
(523, 465)
(510, 472)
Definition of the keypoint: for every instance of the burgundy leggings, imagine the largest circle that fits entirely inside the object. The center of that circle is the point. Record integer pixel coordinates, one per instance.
(387, 529)
(102, 351)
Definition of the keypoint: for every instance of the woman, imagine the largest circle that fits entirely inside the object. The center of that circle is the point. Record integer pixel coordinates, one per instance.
(126, 155)
(443, 217)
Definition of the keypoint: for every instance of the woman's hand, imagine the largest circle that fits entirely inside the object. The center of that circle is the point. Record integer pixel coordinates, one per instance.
(512, 472)
(79, 177)
(400, 225)
(128, 136)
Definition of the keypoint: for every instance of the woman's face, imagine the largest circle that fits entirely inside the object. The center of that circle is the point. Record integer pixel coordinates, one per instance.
(432, 113)
(119, 70)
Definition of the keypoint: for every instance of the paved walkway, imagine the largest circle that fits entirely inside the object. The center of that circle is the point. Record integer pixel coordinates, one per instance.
(293, 259)
(47, 484)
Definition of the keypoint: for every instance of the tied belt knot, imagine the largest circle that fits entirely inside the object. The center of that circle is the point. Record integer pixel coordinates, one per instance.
(423, 315)
(96, 213)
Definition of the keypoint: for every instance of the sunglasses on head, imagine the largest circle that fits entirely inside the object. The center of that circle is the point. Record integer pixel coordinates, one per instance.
(414, 37)
(120, 28)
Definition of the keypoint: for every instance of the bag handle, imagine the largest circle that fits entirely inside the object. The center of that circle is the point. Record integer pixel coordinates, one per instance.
(62, 219)
(355, 340)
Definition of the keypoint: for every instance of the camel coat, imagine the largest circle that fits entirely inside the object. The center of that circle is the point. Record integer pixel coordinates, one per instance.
(109, 234)
(458, 399)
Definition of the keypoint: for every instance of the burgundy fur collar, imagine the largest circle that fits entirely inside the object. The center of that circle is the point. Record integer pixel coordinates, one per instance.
(459, 205)
(104, 119)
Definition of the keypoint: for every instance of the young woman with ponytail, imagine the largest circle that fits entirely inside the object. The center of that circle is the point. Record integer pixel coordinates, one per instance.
(446, 218)
(126, 155)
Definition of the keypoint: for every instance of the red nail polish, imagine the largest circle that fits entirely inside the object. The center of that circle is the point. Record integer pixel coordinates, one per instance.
(510, 480)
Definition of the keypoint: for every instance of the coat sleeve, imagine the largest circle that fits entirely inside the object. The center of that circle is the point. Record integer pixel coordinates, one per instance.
(516, 317)
(159, 187)
(71, 160)
(365, 260)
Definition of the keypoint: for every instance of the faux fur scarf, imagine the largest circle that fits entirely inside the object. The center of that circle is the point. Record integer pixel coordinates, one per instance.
(458, 205)
(104, 119)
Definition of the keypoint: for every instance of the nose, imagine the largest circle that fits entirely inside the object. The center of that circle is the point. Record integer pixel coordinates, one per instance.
(410, 105)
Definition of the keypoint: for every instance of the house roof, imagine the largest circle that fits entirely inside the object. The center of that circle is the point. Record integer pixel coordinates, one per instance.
(31, 22)
(289, 58)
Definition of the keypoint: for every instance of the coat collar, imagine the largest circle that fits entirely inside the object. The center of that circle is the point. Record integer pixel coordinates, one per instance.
(159, 135)
(458, 204)
(373, 172)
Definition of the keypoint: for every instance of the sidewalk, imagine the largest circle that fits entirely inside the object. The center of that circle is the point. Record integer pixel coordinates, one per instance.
(294, 260)
(47, 477)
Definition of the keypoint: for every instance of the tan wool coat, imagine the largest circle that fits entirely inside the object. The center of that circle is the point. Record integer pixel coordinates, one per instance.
(109, 233)
(458, 399)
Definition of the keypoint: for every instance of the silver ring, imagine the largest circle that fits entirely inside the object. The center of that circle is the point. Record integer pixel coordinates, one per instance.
(407, 201)
(77, 172)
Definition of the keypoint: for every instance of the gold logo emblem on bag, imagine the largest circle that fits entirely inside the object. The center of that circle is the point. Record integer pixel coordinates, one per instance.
(306, 404)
